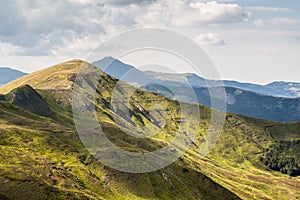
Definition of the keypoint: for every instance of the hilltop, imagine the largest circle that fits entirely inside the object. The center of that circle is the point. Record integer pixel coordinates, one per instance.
(42, 156)
(58, 77)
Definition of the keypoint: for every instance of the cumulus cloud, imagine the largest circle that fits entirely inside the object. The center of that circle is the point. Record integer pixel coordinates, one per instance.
(182, 13)
(214, 12)
(47, 27)
(275, 21)
(209, 38)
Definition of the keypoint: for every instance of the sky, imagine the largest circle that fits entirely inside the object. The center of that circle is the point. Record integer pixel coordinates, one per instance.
(255, 41)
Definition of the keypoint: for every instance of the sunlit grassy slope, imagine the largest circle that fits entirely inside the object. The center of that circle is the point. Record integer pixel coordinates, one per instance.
(43, 158)
(58, 77)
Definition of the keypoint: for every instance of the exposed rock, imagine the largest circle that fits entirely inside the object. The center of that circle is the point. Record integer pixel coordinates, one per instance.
(28, 99)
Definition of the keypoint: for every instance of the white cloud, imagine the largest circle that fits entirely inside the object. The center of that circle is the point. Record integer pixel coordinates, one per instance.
(270, 9)
(209, 38)
(49, 25)
(46, 27)
(214, 12)
(275, 21)
(182, 13)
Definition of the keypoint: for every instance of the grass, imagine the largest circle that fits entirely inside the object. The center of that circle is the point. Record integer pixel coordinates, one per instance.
(43, 156)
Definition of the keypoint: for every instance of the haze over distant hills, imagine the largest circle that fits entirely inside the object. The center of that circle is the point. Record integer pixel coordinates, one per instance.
(276, 89)
(117, 69)
(7, 75)
(276, 101)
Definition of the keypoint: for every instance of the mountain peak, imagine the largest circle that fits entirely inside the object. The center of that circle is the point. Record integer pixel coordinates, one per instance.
(58, 77)
(119, 70)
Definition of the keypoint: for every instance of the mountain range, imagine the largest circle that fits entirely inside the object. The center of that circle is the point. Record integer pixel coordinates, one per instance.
(7, 75)
(42, 156)
(277, 101)
(118, 69)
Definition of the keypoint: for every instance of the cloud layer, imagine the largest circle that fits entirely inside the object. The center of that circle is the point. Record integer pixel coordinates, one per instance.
(48, 27)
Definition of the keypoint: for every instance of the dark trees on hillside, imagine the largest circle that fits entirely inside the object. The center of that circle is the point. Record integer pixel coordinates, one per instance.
(283, 156)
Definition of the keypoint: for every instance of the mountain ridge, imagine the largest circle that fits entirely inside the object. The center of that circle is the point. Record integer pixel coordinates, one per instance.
(234, 164)
(69, 169)
(252, 100)
(118, 69)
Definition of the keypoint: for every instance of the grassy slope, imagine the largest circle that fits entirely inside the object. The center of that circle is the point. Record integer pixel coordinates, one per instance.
(57, 77)
(234, 162)
(42, 160)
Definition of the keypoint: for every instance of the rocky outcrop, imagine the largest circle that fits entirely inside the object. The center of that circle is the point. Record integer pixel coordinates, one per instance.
(28, 99)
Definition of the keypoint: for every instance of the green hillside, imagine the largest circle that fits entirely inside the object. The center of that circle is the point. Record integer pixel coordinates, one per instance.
(43, 158)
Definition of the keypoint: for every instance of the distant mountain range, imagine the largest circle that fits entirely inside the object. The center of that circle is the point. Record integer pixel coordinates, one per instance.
(276, 89)
(276, 101)
(118, 69)
(7, 75)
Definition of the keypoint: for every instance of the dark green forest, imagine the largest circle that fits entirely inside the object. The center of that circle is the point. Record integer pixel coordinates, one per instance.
(283, 156)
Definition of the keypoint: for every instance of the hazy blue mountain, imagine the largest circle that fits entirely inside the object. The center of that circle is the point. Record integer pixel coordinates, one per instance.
(129, 73)
(289, 89)
(276, 101)
(7, 75)
(238, 101)
(121, 70)
(277, 89)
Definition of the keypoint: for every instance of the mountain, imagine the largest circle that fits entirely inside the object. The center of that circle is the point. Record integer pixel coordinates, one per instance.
(238, 101)
(276, 89)
(285, 89)
(242, 98)
(118, 69)
(7, 75)
(42, 156)
(121, 70)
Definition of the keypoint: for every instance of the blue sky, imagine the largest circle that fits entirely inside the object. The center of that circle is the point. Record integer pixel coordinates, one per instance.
(248, 40)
